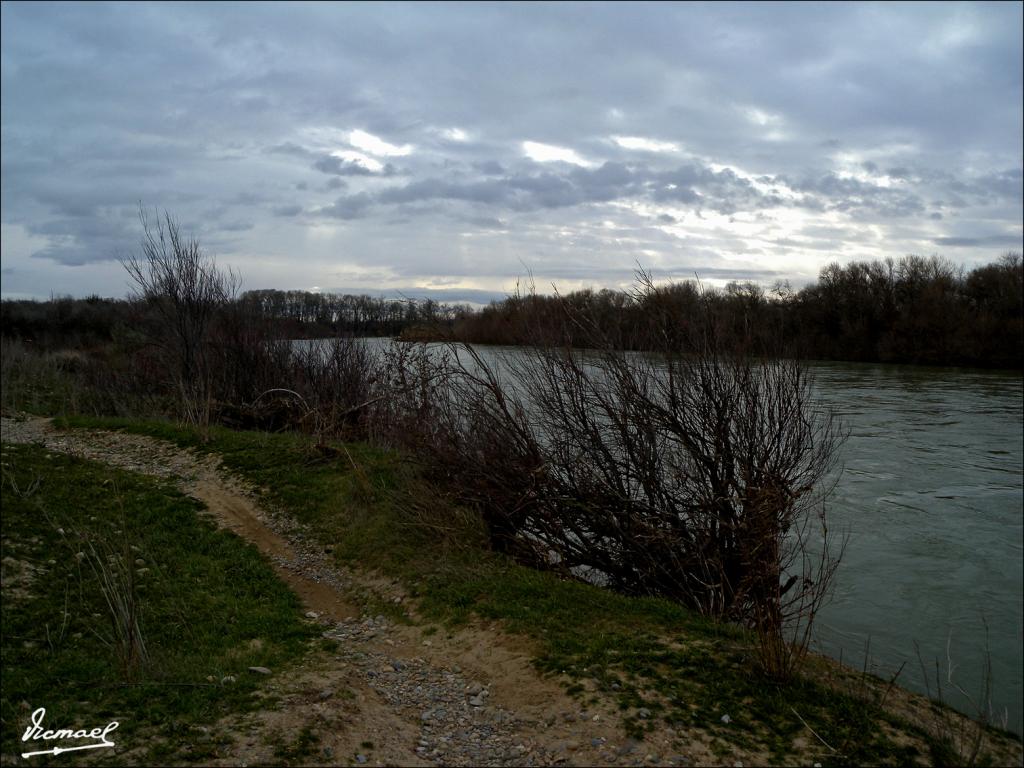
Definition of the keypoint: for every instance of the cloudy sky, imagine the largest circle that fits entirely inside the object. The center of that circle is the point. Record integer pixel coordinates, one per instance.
(456, 148)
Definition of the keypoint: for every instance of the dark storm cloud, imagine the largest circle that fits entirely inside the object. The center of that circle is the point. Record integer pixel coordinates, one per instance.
(289, 148)
(1006, 184)
(77, 241)
(394, 129)
(850, 194)
(573, 186)
(525, 192)
(985, 240)
(492, 192)
(486, 222)
(348, 207)
(236, 226)
(722, 191)
(490, 168)
(691, 185)
(338, 167)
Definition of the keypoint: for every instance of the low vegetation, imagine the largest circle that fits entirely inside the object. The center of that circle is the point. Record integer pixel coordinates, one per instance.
(120, 600)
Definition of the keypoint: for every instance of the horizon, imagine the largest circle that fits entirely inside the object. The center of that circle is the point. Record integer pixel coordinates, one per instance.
(479, 298)
(401, 149)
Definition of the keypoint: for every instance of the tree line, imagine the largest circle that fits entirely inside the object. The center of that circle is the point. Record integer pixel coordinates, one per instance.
(66, 322)
(911, 310)
(310, 313)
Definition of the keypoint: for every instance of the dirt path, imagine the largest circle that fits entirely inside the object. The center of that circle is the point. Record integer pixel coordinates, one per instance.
(390, 694)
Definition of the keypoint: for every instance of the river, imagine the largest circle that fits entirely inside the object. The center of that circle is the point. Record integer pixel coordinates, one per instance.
(931, 494)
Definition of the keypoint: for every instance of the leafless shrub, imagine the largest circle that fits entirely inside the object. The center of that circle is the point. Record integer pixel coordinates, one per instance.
(338, 378)
(414, 391)
(182, 290)
(248, 356)
(325, 388)
(482, 442)
(699, 477)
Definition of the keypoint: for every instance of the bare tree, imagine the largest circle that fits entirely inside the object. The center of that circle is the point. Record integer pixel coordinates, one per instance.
(700, 476)
(183, 289)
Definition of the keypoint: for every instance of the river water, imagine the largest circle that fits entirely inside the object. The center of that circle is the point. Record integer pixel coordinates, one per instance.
(931, 496)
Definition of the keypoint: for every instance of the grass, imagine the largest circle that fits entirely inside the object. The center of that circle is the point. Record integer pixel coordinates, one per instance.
(300, 749)
(70, 381)
(655, 659)
(34, 382)
(209, 608)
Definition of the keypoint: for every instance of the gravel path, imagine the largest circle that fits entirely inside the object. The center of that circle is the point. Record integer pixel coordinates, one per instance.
(444, 701)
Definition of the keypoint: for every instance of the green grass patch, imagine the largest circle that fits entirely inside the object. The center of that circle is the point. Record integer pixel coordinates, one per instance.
(209, 607)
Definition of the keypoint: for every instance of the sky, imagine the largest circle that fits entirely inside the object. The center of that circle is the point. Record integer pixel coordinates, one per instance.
(452, 150)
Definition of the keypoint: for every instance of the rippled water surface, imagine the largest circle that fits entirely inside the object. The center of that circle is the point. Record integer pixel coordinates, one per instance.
(931, 495)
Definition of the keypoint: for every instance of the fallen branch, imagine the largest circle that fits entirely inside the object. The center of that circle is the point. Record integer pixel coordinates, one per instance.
(830, 747)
